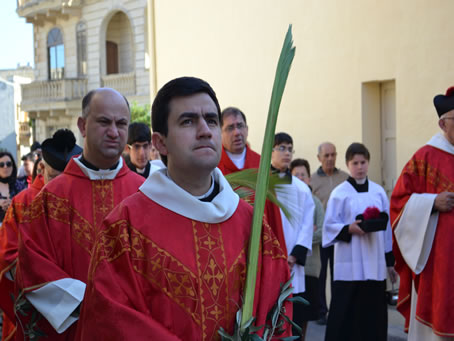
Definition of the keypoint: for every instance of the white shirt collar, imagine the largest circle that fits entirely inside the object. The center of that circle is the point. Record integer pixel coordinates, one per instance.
(102, 174)
(238, 159)
(439, 141)
(162, 190)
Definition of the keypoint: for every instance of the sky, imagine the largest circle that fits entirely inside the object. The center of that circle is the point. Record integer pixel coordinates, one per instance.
(16, 38)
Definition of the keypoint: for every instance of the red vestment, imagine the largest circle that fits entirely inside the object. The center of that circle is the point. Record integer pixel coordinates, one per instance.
(272, 212)
(8, 252)
(59, 228)
(169, 277)
(428, 171)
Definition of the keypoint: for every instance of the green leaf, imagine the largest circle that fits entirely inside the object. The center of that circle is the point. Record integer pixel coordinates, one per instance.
(298, 299)
(249, 323)
(245, 183)
(298, 328)
(225, 335)
(283, 296)
(282, 71)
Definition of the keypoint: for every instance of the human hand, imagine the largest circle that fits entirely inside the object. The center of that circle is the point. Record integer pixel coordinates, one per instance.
(291, 261)
(392, 274)
(444, 201)
(4, 204)
(354, 228)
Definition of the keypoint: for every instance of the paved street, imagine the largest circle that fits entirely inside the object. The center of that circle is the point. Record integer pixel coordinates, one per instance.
(316, 332)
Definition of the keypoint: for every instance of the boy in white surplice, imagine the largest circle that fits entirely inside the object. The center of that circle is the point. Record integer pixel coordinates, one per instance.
(356, 222)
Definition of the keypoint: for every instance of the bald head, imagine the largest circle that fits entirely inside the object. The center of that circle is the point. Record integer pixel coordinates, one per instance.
(86, 101)
(327, 157)
(104, 126)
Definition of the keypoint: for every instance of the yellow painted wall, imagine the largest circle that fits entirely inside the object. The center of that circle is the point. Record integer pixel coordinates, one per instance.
(340, 45)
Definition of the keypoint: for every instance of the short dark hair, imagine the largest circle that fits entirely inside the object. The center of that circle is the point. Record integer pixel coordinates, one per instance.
(231, 111)
(356, 148)
(300, 162)
(282, 138)
(87, 100)
(138, 132)
(28, 157)
(14, 173)
(178, 87)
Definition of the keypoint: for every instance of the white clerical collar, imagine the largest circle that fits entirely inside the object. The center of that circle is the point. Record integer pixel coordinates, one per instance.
(361, 181)
(102, 174)
(238, 159)
(439, 141)
(162, 190)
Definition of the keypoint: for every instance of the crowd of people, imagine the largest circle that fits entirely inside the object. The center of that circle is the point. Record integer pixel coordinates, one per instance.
(138, 235)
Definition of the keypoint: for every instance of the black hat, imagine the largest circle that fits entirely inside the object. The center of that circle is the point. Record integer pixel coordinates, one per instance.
(35, 146)
(58, 150)
(444, 103)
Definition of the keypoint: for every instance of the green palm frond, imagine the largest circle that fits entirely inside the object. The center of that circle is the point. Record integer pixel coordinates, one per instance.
(245, 182)
(282, 72)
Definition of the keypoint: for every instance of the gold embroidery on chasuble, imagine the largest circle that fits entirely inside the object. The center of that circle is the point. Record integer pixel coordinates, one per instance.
(215, 295)
(103, 200)
(28, 213)
(165, 272)
(433, 175)
(271, 246)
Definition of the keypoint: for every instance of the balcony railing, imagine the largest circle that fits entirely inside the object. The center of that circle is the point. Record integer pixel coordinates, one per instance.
(46, 8)
(125, 83)
(53, 91)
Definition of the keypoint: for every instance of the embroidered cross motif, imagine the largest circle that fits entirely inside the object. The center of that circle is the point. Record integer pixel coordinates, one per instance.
(214, 276)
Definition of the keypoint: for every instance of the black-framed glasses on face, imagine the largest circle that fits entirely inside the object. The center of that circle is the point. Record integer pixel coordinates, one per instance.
(283, 149)
(6, 164)
(231, 127)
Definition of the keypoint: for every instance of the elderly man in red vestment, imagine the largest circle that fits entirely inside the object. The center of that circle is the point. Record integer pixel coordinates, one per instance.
(62, 221)
(57, 151)
(237, 155)
(422, 217)
(170, 262)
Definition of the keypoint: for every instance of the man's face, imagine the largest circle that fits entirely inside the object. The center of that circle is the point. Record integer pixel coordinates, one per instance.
(139, 153)
(28, 167)
(193, 141)
(282, 156)
(447, 125)
(234, 133)
(327, 157)
(301, 173)
(105, 129)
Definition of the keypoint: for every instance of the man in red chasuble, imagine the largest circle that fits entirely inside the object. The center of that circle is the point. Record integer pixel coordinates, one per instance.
(237, 156)
(57, 151)
(170, 262)
(57, 235)
(422, 217)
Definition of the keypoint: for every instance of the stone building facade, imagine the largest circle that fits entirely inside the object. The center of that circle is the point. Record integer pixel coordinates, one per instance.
(82, 45)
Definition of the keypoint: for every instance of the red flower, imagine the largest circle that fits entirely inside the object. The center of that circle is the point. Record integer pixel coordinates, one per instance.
(371, 213)
(450, 91)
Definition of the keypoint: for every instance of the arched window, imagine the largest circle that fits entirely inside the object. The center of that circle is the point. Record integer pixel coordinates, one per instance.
(81, 37)
(56, 54)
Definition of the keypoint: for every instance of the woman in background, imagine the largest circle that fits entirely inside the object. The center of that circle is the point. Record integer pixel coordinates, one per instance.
(301, 169)
(9, 184)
